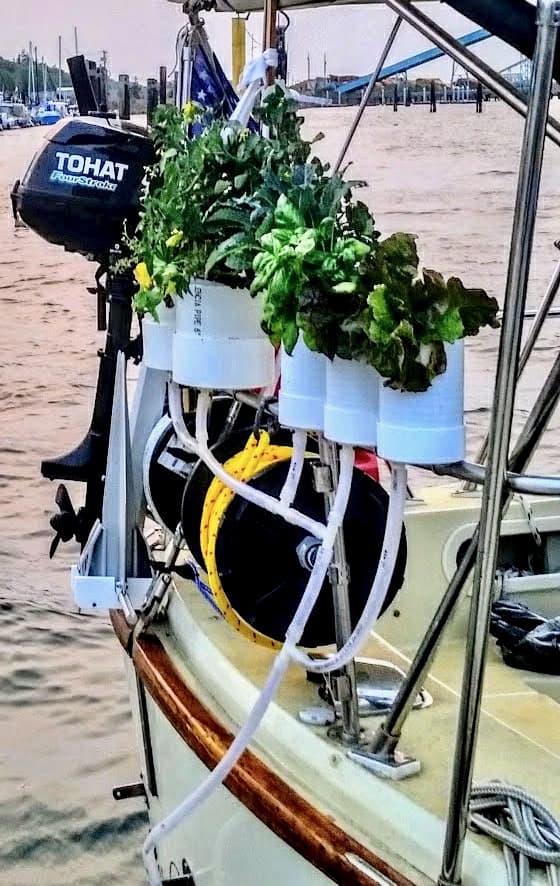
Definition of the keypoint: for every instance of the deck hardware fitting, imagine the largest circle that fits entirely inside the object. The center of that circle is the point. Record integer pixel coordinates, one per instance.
(317, 716)
(394, 767)
(322, 478)
(326, 474)
(337, 734)
(307, 551)
(128, 791)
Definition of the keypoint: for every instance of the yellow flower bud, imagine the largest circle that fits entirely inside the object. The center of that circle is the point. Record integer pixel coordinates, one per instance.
(143, 276)
(191, 111)
(175, 239)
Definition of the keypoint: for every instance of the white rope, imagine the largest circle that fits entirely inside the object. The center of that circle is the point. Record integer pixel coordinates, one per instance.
(252, 80)
(528, 831)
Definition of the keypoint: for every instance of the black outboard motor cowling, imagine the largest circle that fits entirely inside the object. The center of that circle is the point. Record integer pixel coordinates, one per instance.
(85, 183)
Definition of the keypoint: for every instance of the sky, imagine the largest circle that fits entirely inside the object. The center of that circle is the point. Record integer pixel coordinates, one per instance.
(139, 36)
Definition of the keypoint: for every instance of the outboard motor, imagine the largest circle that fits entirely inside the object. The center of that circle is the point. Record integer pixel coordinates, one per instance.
(84, 184)
(82, 187)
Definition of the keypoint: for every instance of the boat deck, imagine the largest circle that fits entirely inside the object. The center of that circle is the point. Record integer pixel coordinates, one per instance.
(519, 738)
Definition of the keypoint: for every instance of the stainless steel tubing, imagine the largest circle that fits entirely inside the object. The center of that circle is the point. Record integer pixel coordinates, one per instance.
(340, 583)
(255, 402)
(367, 94)
(523, 484)
(479, 69)
(499, 442)
(388, 735)
(539, 318)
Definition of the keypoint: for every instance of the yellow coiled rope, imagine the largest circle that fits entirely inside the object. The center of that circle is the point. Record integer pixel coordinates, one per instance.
(247, 464)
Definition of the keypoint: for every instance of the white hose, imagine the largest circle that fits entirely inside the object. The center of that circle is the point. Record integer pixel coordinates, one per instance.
(200, 448)
(281, 663)
(378, 593)
(391, 543)
(291, 485)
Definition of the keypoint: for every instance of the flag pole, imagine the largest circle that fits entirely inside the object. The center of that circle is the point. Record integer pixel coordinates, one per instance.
(269, 33)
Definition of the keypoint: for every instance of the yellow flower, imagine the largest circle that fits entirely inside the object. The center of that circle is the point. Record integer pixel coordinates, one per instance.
(191, 111)
(171, 288)
(143, 276)
(175, 239)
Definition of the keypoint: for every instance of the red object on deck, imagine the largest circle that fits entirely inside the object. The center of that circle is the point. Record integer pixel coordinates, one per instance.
(367, 462)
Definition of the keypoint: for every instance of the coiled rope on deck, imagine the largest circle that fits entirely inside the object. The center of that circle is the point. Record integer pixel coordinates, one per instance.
(528, 831)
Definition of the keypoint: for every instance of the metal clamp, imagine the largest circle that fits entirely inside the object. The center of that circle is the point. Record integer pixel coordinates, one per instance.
(322, 478)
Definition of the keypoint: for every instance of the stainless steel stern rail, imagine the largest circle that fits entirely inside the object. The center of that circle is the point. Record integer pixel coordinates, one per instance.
(499, 439)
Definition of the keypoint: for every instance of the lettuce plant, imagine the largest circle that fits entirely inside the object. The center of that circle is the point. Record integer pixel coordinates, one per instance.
(353, 296)
(408, 316)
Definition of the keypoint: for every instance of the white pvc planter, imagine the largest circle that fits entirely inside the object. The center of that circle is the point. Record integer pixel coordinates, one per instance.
(218, 341)
(303, 384)
(352, 403)
(425, 428)
(158, 338)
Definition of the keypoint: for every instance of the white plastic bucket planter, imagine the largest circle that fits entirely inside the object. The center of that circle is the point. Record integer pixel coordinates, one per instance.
(425, 428)
(218, 341)
(158, 338)
(352, 403)
(301, 402)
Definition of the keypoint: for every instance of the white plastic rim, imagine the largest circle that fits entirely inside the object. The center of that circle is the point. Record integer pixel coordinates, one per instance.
(303, 389)
(352, 403)
(219, 343)
(426, 428)
(157, 338)
(160, 430)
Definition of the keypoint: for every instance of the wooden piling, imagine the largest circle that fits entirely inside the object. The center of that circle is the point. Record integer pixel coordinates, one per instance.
(396, 99)
(124, 97)
(163, 85)
(151, 99)
(479, 98)
(433, 103)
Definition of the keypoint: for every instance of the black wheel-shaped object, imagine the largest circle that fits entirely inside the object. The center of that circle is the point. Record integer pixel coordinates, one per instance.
(201, 477)
(163, 485)
(260, 570)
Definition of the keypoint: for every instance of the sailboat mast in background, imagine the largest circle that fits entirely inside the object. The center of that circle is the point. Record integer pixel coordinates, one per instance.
(59, 95)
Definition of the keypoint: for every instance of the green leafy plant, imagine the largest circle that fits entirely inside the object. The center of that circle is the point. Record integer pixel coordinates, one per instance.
(198, 214)
(232, 206)
(353, 296)
(310, 248)
(410, 314)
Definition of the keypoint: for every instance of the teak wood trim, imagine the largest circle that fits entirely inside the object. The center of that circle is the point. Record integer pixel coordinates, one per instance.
(309, 832)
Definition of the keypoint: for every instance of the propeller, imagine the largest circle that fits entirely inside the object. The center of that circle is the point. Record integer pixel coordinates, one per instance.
(65, 522)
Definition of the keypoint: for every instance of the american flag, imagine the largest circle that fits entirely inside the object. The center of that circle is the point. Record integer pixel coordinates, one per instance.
(209, 85)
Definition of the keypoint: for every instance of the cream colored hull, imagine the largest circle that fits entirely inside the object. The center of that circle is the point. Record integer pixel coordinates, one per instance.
(223, 844)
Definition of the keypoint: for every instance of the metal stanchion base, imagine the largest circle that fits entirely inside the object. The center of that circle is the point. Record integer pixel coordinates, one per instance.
(336, 734)
(395, 766)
